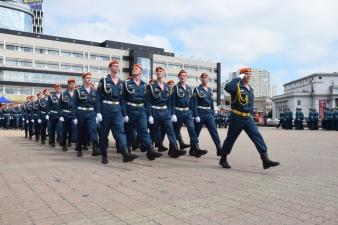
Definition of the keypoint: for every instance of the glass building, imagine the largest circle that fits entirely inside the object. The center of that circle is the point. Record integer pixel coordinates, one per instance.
(15, 15)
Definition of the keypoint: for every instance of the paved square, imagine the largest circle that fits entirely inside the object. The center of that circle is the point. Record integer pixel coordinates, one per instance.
(39, 185)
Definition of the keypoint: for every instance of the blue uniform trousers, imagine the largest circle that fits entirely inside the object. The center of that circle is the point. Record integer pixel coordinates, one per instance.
(162, 122)
(53, 128)
(112, 121)
(236, 125)
(137, 120)
(208, 119)
(67, 129)
(86, 125)
(186, 118)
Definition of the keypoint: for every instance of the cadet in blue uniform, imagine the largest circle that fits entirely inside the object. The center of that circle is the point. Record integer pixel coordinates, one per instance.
(160, 113)
(242, 99)
(30, 116)
(203, 111)
(36, 116)
(182, 113)
(85, 114)
(67, 110)
(53, 114)
(111, 111)
(7, 116)
(16, 116)
(299, 119)
(43, 114)
(310, 120)
(25, 116)
(135, 95)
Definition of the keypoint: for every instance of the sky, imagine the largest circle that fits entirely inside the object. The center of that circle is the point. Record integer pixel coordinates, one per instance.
(289, 38)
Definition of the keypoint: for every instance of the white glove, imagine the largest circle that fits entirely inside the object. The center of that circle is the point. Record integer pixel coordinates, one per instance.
(99, 117)
(62, 119)
(32, 121)
(126, 119)
(151, 120)
(75, 121)
(23, 119)
(47, 117)
(27, 121)
(197, 119)
(173, 118)
(97, 120)
(39, 120)
(241, 76)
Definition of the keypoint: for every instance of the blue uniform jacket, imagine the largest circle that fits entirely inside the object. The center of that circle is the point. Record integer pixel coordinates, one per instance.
(135, 94)
(231, 88)
(202, 97)
(84, 99)
(107, 90)
(53, 105)
(159, 97)
(181, 97)
(67, 103)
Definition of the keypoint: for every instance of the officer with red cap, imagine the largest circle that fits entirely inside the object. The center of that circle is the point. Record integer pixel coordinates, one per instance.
(135, 95)
(42, 115)
(66, 113)
(242, 99)
(53, 114)
(85, 114)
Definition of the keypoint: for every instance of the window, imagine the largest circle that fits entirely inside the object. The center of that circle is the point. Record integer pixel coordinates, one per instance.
(1, 46)
(1, 61)
(175, 66)
(46, 51)
(66, 67)
(19, 62)
(299, 102)
(78, 68)
(46, 65)
(78, 55)
(320, 78)
(98, 57)
(19, 48)
(66, 53)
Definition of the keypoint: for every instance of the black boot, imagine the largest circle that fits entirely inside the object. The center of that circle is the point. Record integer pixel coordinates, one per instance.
(196, 151)
(224, 163)
(182, 145)
(174, 152)
(79, 153)
(161, 148)
(143, 148)
(219, 150)
(127, 157)
(95, 152)
(104, 159)
(64, 148)
(43, 142)
(267, 163)
(69, 144)
(52, 144)
(85, 147)
(151, 154)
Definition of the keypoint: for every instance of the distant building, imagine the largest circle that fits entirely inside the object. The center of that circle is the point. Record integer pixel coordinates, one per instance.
(36, 7)
(318, 91)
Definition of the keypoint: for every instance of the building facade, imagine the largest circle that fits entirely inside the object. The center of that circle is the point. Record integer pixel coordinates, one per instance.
(316, 91)
(36, 8)
(30, 62)
(15, 15)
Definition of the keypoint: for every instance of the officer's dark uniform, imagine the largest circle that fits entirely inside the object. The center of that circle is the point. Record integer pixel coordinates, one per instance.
(53, 112)
(136, 103)
(310, 120)
(182, 107)
(281, 115)
(85, 111)
(160, 109)
(335, 119)
(316, 118)
(203, 107)
(241, 118)
(42, 117)
(110, 103)
(299, 120)
(37, 120)
(67, 110)
(7, 116)
(25, 118)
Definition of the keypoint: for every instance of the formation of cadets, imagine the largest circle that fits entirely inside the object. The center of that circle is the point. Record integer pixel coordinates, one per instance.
(329, 121)
(138, 115)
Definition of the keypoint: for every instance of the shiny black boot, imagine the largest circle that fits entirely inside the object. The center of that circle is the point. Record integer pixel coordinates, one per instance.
(175, 152)
(151, 154)
(196, 151)
(126, 156)
(224, 163)
(267, 163)
(95, 152)
(182, 145)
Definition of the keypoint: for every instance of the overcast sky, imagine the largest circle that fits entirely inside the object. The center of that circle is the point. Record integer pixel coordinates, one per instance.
(289, 38)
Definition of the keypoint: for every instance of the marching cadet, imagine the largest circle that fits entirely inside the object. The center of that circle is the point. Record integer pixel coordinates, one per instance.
(135, 95)
(42, 115)
(160, 111)
(30, 116)
(85, 115)
(325, 119)
(281, 118)
(25, 116)
(111, 111)
(53, 114)
(299, 119)
(67, 112)
(334, 119)
(36, 116)
(310, 120)
(203, 111)
(242, 99)
(316, 118)
(182, 113)
(7, 116)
